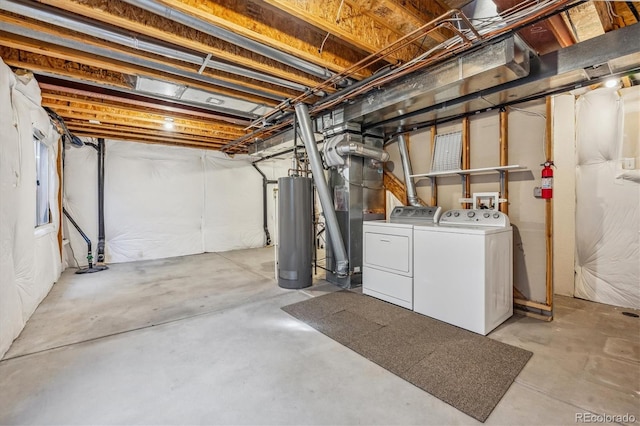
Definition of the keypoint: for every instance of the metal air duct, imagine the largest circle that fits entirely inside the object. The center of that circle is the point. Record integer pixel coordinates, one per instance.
(361, 150)
(412, 195)
(342, 260)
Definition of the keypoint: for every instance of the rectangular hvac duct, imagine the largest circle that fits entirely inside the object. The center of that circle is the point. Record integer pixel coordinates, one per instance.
(279, 144)
(489, 66)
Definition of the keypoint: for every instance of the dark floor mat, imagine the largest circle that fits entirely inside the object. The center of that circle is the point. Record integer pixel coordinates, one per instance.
(466, 370)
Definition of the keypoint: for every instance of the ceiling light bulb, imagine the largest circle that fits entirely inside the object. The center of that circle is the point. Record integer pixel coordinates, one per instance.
(168, 123)
(611, 83)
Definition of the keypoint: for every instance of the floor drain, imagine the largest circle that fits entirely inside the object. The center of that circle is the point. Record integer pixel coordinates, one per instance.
(631, 314)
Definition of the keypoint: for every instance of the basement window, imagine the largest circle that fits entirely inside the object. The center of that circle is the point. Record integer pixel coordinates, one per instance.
(43, 214)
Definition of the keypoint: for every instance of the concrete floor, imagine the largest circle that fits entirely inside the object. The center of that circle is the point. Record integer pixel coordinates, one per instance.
(202, 340)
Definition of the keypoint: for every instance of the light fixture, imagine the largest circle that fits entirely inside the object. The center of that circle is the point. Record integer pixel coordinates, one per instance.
(168, 123)
(95, 122)
(611, 83)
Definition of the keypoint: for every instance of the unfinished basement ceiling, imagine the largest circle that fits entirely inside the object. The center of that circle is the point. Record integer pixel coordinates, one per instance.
(225, 74)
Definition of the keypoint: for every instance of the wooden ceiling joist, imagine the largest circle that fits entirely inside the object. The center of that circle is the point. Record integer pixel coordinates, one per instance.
(150, 140)
(251, 19)
(350, 24)
(194, 122)
(146, 105)
(124, 131)
(80, 60)
(49, 32)
(403, 17)
(69, 112)
(131, 18)
(47, 64)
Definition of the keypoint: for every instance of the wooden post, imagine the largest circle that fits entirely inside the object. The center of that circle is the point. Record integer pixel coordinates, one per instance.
(466, 162)
(60, 217)
(549, 206)
(504, 158)
(434, 180)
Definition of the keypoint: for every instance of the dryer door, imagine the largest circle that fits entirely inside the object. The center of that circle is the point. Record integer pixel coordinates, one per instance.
(389, 249)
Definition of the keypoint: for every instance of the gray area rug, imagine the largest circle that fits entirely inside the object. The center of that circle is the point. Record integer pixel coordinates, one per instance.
(466, 370)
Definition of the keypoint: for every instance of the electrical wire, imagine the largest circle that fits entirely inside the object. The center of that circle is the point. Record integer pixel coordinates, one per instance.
(328, 33)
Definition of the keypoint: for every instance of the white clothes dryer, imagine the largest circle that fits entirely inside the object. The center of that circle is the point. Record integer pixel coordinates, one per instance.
(387, 258)
(463, 271)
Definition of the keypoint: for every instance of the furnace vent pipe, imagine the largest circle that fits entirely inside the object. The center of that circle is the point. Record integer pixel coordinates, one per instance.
(412, 195)
(361, 150)
(342, 261)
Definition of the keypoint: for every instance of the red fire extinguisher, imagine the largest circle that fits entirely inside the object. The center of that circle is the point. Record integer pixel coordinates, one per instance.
(547, 180)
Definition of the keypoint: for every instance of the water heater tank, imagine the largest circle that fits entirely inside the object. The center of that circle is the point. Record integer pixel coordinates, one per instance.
(295, 232)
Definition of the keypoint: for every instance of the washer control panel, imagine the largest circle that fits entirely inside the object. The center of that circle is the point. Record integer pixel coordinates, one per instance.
(411, 214)
(478, 217)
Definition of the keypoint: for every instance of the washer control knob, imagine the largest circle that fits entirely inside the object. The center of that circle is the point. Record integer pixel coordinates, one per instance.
(496, 215)
(471, 214)
(448, 214)
(486, 215)
(456, 214)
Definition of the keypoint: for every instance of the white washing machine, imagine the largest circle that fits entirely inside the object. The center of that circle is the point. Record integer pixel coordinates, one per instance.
(464, 269)
(387, 257)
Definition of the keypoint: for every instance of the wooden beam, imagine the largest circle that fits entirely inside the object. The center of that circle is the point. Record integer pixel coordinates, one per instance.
(396, 187)
(85, 117)
(133, 131)
(47, 64)
(131, 18)
(82, 59)
(274, 28)
(403, 17)
(434, 180)
(347, 23)
(530, 304)
(561, 31)
(97, 106)
(466, 161)
(127, 102)
(589, 19)
(504, 158)
(47, 31)
(146, 139)
(548, 217)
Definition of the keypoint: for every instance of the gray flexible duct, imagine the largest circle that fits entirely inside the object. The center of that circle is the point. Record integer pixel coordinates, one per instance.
(342, 260)
(412, 195)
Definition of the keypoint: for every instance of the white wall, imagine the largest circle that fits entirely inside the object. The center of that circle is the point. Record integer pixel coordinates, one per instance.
(163, 201)
(526, 142)
(29, 258)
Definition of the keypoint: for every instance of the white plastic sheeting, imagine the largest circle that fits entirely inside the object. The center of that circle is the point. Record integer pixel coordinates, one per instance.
(29, 257)
(163, 201)
(607, 206)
